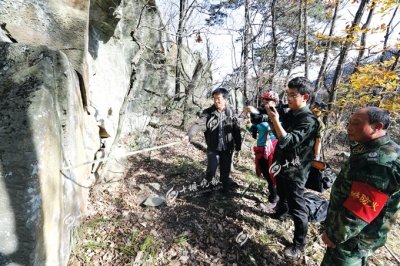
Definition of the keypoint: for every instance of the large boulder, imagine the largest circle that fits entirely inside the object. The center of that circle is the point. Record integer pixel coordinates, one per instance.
(112, 50)
(65, 71)
(43, 129)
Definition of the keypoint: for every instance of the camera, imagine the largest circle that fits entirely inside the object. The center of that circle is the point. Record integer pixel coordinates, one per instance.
(263, 117)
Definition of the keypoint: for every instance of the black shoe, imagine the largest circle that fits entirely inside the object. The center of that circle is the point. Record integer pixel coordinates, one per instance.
(208, 192)
(273, 199)
(275, 216)
(225, 191)
(273, 196)
(232, 183)
(292, 252)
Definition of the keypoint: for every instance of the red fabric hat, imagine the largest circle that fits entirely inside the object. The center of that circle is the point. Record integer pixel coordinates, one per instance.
(271, 95)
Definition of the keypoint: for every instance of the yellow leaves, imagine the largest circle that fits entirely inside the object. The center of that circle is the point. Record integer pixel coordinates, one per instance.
(331, 2)
(383, 7)
(373, 83)
(356, 28)
(392, 105)
(336, 39)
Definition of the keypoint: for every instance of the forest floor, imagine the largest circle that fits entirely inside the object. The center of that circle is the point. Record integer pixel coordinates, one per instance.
(193, 229)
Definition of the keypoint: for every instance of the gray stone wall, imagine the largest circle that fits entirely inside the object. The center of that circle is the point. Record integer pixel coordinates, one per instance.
(43, 129)
(65, 68)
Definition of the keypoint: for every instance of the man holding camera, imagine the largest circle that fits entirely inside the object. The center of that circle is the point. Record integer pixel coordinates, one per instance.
(266, 142)
(292, 159)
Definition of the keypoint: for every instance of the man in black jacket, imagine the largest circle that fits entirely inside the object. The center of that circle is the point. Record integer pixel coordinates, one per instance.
(292, 159)
(222, 133)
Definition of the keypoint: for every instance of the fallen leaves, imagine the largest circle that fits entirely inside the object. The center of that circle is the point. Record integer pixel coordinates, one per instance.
(189, 229)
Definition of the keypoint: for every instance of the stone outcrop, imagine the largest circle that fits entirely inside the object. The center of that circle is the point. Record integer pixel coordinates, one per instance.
(43, 128)
(69, 69)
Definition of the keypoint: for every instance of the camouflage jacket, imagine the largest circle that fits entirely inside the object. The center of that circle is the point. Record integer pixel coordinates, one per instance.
(321, 128)
(294, 152)
(374, 165)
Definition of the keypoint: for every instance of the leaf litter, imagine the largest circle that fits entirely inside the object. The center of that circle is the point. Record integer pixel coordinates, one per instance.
(188, 228)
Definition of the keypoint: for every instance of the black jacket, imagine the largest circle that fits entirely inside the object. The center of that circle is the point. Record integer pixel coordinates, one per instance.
(294, 152)
(210, 120)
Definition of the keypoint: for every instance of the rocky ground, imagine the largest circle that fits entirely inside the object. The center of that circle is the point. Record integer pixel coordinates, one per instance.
(189, 228)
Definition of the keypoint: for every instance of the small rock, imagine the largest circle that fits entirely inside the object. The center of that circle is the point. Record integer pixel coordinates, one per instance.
(184, 258)
(153, 201)
(139, 256)
(156, 186)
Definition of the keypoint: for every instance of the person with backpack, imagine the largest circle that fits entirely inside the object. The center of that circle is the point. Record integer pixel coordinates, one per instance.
(266, 142)
(222, 135)
(365, 198)
(292, 160)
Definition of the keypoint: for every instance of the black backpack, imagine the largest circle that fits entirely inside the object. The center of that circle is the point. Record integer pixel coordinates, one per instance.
(316, 206)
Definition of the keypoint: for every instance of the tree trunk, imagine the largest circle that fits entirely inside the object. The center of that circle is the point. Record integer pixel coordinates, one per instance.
(396, 61)
(364, 38)
(388, 33)
(326, 53)
(246, 49)
(343, 54)
(296, 46)
(306, 60)
(179, 48)
(274, 42)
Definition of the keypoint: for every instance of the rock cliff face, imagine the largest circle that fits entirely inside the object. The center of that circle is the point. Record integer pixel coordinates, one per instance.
(66, 68)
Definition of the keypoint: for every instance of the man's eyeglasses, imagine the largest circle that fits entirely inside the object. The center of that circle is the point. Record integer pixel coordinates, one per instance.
(293, 96)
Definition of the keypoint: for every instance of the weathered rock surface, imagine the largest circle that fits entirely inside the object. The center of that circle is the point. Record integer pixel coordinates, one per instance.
(43, 128)
(58, 23)
(66, 69)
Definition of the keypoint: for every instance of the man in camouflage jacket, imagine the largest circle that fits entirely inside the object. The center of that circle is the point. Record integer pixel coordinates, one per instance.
(365, 197)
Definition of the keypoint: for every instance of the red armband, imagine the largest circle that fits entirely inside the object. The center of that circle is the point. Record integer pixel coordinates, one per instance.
(365, 201)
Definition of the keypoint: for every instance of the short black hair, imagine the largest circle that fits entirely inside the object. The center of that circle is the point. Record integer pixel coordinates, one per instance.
(377, 114)
(221, 90)
(302, 84)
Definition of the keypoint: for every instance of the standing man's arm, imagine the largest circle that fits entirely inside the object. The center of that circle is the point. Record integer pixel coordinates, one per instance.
(200, 123)
(317, 148)
(318, 140)
(343, 221)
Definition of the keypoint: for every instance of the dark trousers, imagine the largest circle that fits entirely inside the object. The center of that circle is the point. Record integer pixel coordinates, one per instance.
(224, 158)
(291, 199)
(264, 167)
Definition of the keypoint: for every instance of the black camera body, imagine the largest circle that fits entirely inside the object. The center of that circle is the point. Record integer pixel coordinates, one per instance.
(263, 117)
